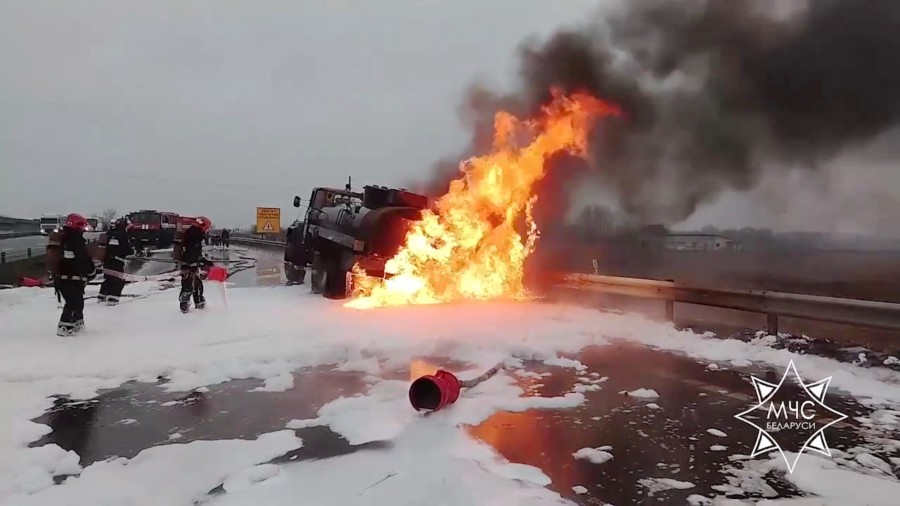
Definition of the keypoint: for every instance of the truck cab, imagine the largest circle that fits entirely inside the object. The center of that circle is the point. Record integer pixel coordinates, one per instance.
(51, 223)
(343, 228)
(298, 254)
(152, 228)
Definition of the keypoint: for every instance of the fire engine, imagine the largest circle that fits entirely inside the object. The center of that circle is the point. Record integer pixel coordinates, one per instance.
(185, 222)
(152, 228)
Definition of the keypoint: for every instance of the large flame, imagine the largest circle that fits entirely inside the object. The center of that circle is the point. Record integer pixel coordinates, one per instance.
(470, 246)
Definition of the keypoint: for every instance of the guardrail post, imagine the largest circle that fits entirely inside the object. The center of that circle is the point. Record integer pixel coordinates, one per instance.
(772, 324)
(670, 306)
(29, 252)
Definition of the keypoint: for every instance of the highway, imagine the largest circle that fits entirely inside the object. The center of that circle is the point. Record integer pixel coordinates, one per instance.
(686, 434)
(16, 248)
(663, 413)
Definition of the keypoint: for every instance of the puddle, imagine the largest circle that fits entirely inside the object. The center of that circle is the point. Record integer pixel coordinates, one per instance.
(670, 441)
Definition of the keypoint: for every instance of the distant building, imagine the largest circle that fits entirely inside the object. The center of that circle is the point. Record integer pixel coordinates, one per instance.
(699, 242)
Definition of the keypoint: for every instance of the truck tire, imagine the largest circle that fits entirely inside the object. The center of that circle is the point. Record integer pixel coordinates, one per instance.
(293, 274)
(328, 279)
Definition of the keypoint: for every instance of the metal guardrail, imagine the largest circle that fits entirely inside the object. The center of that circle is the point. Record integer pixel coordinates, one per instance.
(13, 235)
(860, 313)
(25, 253)
(257, 242)
(21, 254)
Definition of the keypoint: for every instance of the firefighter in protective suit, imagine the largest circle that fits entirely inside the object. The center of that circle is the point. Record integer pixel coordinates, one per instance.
(71, 267)
(189, 254)
(117, 249)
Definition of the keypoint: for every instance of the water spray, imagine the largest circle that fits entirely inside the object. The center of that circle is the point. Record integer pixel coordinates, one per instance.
(435, 391)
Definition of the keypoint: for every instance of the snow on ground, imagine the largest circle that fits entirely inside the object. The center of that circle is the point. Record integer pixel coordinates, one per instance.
(267, 333)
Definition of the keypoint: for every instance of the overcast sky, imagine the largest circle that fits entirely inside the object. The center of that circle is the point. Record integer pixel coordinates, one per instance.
(219, 106)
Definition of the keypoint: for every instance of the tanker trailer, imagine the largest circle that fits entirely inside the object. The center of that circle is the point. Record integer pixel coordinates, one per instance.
(343, 228)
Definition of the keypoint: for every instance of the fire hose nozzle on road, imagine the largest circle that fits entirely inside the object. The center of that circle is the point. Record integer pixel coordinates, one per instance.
(435, 391)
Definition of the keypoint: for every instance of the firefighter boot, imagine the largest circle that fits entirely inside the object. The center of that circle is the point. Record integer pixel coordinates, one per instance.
(184, 301)
(101, 299)
(112, 300)
(79, 326)
(65, 329)
(197, 293)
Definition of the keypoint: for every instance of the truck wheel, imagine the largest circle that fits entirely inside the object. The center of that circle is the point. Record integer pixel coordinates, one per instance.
(337, 283)
(293, 274)
(317, 278)
(328, 279)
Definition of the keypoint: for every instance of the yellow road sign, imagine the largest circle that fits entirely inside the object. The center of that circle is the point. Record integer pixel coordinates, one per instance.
(268, 220)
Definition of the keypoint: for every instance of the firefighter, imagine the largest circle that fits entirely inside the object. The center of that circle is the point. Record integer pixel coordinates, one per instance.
(189, 255)
(225, 237)
(71, 267)
(118, 248)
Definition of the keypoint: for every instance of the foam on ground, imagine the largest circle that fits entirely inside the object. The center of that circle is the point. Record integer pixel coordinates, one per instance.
(267, 333)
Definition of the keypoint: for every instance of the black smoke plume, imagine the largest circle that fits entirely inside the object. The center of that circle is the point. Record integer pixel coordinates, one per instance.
(716, 92)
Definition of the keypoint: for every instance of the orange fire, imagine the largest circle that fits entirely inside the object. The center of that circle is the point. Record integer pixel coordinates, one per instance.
(469, 246)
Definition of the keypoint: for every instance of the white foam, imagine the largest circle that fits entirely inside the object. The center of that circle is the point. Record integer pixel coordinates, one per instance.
(656, 485)
(594, 455)
(644, 393)
(256, 336)
(279, 383)
(167, 474)
(565, 362)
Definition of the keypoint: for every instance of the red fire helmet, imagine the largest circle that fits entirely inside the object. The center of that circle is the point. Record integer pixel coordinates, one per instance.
(203, 222)
(76, 221)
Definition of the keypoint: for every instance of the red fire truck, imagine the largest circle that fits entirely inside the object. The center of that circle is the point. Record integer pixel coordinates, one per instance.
(153, 228)
(185, 222)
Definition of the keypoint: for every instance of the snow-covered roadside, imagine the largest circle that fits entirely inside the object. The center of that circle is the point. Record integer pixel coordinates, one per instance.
(267, 333)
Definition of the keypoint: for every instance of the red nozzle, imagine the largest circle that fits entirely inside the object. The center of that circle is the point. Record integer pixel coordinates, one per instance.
(433, 392)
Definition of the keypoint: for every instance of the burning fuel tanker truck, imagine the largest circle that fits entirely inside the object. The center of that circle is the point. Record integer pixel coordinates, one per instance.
(343, 228)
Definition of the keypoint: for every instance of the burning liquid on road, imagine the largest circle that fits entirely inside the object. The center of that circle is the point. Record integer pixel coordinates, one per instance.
(470, 245)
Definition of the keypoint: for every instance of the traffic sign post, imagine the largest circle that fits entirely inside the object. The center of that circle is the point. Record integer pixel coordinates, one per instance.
(268, 220)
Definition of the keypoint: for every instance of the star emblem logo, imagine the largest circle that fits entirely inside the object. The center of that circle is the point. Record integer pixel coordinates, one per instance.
(804, 415)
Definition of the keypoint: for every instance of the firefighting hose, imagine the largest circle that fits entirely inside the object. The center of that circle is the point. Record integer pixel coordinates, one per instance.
(243, 264)
(435, 391)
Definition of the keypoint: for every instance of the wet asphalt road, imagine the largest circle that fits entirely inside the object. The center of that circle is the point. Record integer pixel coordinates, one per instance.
(668, 441)
(36, 242)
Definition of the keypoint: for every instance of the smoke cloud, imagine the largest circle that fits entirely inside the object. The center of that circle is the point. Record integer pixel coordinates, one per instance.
(716, 94)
